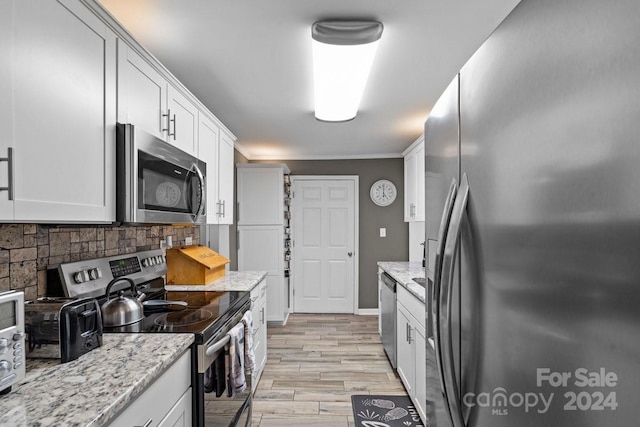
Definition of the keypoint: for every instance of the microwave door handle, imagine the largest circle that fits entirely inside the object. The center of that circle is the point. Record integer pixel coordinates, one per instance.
(449, 257)
(201, 199)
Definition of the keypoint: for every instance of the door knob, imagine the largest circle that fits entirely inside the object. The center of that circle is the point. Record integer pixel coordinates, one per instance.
(350, 254)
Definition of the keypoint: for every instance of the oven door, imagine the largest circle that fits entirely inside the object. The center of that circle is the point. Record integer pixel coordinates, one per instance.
(226, 411)
(157, 182)
(223, 411)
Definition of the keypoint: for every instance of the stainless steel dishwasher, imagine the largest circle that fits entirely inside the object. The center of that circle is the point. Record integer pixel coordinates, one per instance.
(388, 314)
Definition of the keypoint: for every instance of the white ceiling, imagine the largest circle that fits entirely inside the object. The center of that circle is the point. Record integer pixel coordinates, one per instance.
(249, 62)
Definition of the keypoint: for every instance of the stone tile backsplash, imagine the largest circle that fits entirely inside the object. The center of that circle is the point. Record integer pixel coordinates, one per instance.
(28, 250)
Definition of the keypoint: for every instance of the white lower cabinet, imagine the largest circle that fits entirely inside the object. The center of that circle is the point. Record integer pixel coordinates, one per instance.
(404, 349)
(181, 414)
(259, 312)
(278, 296)
(420, 389)
(411, 350)
(166, 402)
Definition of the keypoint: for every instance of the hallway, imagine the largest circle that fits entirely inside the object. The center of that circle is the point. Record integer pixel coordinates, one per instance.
(315, 363)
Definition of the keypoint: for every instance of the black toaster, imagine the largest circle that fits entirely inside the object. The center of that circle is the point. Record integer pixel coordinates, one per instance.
(62, 328)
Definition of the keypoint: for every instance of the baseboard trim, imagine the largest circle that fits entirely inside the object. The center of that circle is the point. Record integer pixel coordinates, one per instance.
(368, 311)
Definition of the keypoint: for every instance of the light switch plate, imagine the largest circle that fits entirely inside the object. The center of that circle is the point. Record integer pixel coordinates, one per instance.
(383, 232)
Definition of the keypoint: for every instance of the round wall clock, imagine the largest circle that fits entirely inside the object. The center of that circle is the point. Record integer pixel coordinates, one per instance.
(383, 192)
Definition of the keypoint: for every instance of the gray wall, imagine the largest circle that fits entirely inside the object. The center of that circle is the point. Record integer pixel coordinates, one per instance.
(394, 247)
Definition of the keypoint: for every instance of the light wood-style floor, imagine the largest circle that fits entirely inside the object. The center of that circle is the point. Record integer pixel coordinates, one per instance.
(315, 363)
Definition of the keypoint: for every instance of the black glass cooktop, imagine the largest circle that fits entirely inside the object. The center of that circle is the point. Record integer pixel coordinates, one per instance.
(202, 315)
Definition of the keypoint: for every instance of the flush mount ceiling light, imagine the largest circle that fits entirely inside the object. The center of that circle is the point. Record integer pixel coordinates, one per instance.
(343, 53)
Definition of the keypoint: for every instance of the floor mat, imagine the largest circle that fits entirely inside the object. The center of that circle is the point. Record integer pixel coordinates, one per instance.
(384, 411)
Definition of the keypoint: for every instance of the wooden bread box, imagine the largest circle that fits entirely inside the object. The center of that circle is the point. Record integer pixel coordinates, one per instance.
(194, 265)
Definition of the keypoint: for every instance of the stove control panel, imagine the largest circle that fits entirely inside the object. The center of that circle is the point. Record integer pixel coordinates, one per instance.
(153, 260)
(86, 275)
(90, 278)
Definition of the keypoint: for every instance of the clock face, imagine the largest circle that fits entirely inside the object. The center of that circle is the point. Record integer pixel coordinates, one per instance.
(168, 194)
(383, 192)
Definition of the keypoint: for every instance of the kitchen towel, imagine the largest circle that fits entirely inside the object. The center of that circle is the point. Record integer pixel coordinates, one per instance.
(249, 354)
(234, 363)
(214, 377)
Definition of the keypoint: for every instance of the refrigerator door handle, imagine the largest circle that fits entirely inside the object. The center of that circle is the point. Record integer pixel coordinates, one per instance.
(435, 315)
(452, 243)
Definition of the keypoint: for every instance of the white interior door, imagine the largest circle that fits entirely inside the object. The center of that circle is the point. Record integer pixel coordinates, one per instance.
(324, 252)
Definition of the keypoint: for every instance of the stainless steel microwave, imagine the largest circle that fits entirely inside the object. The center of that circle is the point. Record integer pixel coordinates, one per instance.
(157, 182)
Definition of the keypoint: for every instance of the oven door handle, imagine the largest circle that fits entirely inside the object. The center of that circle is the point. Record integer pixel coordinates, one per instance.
(208, 353)
(217, 346)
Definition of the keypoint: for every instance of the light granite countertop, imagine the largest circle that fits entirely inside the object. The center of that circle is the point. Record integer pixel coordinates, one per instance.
(404, 272)
(93, 389)
(232, 281)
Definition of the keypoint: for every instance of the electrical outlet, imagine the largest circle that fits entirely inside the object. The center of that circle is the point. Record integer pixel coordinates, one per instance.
(188, 241)
(163, 244)
(383, 232)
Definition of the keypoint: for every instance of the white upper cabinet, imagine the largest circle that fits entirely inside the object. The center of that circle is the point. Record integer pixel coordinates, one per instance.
(59, 65)
(208, 152)
(6, 106)
(225, 176)
(148, 101)
(66, 78)
(414, 173)
(183, 121)
(142, 93)
(261, 194)
(216, 150)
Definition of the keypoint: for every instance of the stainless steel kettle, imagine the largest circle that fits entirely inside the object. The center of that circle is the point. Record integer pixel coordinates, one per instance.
(122, 310)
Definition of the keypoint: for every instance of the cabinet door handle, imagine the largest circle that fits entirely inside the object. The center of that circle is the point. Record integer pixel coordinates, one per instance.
(147, 424)
(168, 128)
(9, 160)
(224, 208)
(262, 315)
(409, 337)
(169, 121)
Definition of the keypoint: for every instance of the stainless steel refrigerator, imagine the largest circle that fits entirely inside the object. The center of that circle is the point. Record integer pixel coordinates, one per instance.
(533, 224)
